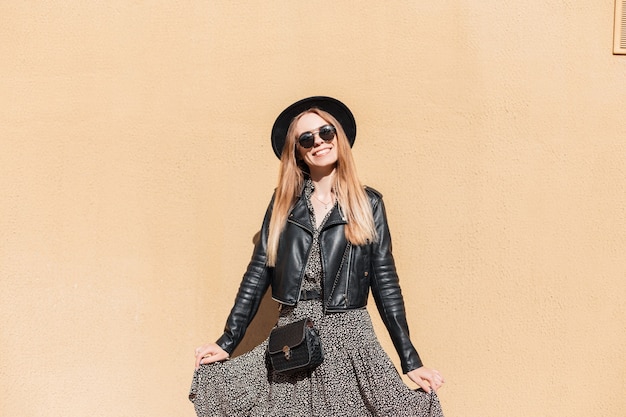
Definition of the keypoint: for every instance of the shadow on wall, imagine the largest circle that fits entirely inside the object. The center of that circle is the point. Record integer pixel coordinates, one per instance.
(260, 327)
(265, 319)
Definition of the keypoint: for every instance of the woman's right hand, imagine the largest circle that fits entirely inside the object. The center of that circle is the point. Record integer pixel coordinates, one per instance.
(210, 353)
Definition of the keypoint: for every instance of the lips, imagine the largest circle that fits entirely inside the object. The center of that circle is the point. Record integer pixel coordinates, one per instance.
(321, 152)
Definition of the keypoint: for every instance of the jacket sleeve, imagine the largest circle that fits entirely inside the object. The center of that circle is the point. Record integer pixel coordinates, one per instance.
(254, 284)
(386, 291)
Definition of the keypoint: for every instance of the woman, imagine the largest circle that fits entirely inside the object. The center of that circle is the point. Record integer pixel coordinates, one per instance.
(324, 244)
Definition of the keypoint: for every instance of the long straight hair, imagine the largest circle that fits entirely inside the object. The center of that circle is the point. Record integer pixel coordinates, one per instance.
(351, 195)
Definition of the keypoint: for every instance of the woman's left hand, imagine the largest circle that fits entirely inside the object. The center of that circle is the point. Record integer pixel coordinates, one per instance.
(426, 378)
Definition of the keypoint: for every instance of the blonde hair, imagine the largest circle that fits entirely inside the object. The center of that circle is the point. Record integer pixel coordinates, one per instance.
(351, 195)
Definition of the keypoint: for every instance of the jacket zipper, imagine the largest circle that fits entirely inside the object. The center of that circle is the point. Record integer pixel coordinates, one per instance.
(308, 253)
(343, 260)
(345, 295)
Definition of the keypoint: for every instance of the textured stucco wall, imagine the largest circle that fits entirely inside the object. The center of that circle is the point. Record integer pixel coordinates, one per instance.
(135, 167)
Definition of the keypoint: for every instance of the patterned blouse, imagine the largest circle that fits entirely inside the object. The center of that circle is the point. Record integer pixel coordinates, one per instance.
(313, 272)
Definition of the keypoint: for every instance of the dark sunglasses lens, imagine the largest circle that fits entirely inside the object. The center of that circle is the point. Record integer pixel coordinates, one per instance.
(327, 132)
(306, 140)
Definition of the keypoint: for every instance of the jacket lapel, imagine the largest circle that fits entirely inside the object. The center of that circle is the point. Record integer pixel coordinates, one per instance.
(300, 215)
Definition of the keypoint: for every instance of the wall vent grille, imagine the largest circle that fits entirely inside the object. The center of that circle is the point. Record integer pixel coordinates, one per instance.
(619, 32)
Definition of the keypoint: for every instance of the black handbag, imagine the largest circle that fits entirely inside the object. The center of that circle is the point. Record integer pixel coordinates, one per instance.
(295, 347)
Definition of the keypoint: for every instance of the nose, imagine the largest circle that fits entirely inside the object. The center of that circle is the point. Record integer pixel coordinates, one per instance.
(318, 139)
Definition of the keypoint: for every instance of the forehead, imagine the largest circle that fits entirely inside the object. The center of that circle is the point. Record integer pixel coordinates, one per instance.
(309, 121)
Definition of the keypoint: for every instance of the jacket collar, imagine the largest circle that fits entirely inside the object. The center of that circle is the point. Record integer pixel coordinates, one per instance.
(300, 211)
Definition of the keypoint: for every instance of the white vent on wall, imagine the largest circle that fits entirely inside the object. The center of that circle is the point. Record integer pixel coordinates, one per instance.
(619, 33)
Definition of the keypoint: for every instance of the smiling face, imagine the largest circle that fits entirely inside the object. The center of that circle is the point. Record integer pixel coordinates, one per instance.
(321, 158)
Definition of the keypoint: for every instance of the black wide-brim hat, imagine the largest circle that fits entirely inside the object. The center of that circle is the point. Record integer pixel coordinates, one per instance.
(331, 105)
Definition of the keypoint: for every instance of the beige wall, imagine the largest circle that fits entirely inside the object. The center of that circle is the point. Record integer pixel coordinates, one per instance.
(135, 167)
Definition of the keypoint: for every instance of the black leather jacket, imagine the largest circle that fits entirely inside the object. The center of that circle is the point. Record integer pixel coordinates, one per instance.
(350, 272)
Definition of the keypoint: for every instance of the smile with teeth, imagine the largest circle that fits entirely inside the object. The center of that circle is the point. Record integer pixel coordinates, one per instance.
(321, 152)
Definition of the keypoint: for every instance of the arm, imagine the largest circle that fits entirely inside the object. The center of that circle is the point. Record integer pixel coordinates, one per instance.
(388, 297)
(254, 284)
(387, 293)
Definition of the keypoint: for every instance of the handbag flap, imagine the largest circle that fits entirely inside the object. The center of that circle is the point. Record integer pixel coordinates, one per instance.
(290, 335)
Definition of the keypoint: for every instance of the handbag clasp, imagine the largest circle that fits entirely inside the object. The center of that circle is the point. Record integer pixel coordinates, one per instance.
(287, 352)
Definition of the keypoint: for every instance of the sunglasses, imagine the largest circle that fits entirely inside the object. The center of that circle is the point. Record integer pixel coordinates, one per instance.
(326, 132)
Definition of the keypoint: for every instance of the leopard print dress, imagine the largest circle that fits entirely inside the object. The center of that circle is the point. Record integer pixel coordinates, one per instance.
(356, 379)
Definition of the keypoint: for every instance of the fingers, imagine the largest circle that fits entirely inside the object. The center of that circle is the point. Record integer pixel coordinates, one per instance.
(201, 353)
(198, 358)
(426, 378)
(209, 354)
(433, 379)
(218, 357)
(417, 376)
(436, 380)
(423, 384)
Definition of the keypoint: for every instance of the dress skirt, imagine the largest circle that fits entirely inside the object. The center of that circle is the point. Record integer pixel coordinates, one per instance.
(356, 379)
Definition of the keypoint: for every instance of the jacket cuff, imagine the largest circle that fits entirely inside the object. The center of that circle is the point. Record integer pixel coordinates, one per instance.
(226, 343)
(411, 363)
